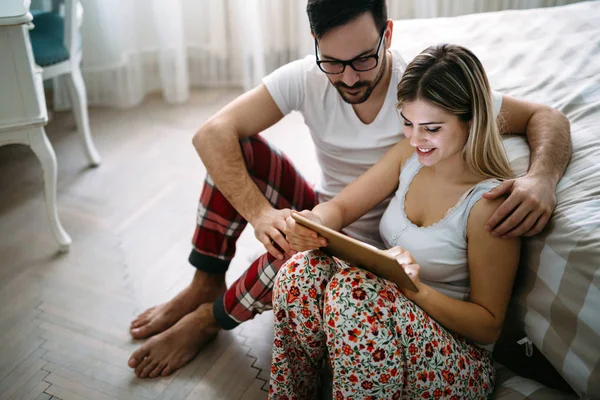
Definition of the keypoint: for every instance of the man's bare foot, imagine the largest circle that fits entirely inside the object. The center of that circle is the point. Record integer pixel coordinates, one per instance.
(165, 353)
(205, 288)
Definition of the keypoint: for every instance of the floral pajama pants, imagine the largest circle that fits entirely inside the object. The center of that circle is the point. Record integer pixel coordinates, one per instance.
(380, 344)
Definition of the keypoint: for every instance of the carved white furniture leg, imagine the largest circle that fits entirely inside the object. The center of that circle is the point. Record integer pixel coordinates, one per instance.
(79, 102)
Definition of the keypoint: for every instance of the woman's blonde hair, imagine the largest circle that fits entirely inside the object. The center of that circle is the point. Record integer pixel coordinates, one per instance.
(451, 77)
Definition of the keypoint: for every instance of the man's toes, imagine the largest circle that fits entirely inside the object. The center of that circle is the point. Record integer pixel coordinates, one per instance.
(138, 356)
(148, 369)
(168, 370)
(141, 332)
(142, 318)
(140, 321)
(157, 370)
(142, 366)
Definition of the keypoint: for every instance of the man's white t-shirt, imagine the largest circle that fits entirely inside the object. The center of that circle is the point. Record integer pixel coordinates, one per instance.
(346, 147)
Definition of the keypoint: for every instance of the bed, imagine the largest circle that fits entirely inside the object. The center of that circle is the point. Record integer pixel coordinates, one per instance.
(550, 56)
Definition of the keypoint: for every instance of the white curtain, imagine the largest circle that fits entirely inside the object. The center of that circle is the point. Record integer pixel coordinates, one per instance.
(133, 47)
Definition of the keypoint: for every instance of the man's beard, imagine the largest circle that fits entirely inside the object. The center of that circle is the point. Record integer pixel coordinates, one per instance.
(366, 87)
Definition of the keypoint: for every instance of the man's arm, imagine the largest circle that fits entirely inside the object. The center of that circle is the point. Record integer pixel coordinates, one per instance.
(217, 144)
(532, 197)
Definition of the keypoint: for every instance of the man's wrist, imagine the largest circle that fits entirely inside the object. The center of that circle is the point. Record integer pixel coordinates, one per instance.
(257, 212)
(546, 176)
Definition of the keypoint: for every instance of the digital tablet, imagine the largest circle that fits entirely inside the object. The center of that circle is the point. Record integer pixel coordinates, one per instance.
(360, 254)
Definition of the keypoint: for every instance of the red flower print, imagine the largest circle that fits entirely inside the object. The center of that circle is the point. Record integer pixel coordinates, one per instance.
(308, 324)
(359, 294)
(394, 372)
(312, 292)
(412, 349)
(431, 376)
(314, 262)
(437, 393)
(294, 291)
(409, 331)
(367, 385)
(278, 343)
(384, 378)
(353, 378)
(353, 335)
(426, 395)
(411, 316)
(306, 312)
(422, 376)
(448, 377)
(280, 315)
(339, 395)
(370, 345)
(374, 330)
(391, 296)
(331, 323)
(378, 355)
(449, 349)
(447, 391)
(347, 349)
(429, 350)
(280, 378)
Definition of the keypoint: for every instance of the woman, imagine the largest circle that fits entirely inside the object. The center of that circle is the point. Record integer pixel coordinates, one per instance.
(392, 343)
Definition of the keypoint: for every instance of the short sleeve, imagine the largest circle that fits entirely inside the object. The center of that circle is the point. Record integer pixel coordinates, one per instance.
(497, 102)
(287, 85)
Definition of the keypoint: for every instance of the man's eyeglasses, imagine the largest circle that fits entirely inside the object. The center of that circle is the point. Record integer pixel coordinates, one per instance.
(359, 64)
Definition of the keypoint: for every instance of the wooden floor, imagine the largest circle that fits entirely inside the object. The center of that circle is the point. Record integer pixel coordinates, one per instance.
(64, 317)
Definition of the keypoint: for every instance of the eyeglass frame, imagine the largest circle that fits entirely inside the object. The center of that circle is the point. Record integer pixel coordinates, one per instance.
(350, 62)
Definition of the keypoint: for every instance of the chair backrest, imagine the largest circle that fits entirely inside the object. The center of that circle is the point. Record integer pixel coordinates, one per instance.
(71, 23)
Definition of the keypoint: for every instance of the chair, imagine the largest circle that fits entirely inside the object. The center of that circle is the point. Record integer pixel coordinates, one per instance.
(56, 45)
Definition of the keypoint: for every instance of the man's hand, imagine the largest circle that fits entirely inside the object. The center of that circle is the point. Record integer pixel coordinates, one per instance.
(268, 228)
(526, 210)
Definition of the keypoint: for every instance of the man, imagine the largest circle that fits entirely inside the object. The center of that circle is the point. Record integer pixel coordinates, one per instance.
(347, 98)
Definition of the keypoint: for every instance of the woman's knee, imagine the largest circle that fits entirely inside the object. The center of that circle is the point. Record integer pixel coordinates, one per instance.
(353, 286)
(306, 269)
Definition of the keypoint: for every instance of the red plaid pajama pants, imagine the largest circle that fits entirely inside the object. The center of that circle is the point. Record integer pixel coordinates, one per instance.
(219, 226)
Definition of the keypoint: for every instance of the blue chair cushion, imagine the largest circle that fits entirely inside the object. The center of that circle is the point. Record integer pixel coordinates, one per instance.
(47, 38)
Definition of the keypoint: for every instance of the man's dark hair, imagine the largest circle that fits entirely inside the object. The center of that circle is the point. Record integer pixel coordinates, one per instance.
(324, 15)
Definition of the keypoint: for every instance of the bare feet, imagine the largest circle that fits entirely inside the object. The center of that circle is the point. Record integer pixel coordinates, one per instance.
(205, 288)
(165, 353)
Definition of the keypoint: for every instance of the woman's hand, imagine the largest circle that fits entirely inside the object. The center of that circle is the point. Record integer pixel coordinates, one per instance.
(410, 266)
(301, 238)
